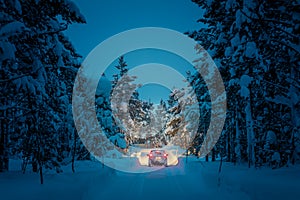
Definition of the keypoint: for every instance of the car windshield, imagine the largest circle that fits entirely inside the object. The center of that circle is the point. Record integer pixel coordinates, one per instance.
(157, 152)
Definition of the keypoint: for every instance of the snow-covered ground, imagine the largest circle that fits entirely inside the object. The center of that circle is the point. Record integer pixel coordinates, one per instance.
(192, 180)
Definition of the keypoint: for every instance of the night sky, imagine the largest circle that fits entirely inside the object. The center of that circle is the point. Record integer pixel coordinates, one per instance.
(107, 18)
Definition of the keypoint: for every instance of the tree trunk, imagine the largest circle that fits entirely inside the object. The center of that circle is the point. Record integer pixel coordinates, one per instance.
(293, 147)
(237, 138)
(3, 143)
(2, 156)
(24, 164)
(295, 102)
(40, 153)
(39, 161)
(41, 174)
(250, 136)
(219, 173)
(34, 166)
(74, 150)
(250, 131)
(213, 155)
(295, 114)
(228, 148)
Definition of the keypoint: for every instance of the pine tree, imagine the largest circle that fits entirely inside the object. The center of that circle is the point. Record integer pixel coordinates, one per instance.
(122, 68)
(255, 41)
(132, 115)
(121, 95)
(37, 53)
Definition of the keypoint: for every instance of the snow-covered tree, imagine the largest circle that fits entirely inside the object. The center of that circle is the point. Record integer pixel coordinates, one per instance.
(103, 108)
(34, 56)
(182, 119)
(132, 116)
(121, 95)
(256, 48)
(122, 70)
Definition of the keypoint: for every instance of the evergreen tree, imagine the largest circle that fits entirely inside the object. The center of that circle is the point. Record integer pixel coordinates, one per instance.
(256, 42)
(122, 70)
(34, 56)
(121, 95)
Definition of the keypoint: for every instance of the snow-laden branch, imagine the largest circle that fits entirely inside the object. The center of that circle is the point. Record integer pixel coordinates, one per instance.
(289, 45)
(276, 85)
(19, 76)
(15, 77)
(266, 20)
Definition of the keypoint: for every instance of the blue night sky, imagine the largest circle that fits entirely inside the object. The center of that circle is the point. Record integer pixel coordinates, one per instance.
(107, 18)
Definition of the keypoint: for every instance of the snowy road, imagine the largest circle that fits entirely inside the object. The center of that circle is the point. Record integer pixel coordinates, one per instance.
(198, 180)
(165, 183)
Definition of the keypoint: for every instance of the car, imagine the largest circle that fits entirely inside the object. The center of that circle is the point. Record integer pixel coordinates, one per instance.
(157, 157)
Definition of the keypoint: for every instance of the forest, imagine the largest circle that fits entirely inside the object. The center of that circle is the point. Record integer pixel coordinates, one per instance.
(254, 43)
